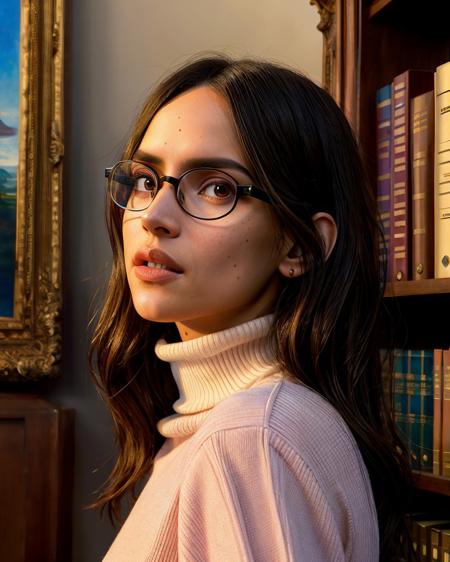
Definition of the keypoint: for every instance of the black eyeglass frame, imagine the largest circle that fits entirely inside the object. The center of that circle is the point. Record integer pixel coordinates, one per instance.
(241, 190)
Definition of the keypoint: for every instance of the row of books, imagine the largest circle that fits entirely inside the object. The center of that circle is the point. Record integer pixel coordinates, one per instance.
(413, 176)
(430, 536)
(421, 396)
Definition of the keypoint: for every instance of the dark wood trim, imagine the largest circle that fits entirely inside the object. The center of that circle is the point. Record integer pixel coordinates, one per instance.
(47, 475)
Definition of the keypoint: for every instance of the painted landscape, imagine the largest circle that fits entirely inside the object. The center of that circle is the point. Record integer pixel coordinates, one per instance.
(7, 238)
(9, 148)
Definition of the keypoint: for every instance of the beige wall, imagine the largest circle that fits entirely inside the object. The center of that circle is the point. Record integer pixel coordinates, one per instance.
(116, 51)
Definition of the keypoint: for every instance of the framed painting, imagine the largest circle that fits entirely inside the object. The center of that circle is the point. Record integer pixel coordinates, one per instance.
(31, 156)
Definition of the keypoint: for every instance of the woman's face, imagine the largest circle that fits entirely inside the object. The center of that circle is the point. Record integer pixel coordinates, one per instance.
(226, 269)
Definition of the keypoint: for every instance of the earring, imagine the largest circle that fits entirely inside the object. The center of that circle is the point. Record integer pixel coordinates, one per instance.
(291, 272)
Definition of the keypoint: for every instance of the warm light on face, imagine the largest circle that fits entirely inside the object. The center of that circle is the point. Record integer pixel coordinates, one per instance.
(227, 269)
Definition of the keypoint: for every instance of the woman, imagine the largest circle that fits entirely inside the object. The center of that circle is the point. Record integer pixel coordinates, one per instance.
(237, 347)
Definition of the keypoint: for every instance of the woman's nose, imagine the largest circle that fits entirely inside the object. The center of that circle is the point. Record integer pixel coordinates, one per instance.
(162, 217)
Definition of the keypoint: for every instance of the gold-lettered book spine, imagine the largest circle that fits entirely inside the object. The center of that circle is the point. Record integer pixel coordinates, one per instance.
(437, 411)
(446, 414)
(422, 183)
(442, 171)
(445, 546)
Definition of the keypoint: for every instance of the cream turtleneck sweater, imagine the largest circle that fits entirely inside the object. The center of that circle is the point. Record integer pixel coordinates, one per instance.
(255, 467)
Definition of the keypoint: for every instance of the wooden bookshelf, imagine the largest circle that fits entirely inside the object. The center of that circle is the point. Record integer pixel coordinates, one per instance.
(432, 483)
(377, 6)
(367, 43)
(417, 288)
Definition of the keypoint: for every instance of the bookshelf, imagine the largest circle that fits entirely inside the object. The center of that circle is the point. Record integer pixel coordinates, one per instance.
(417, 288)
(366, 44)
(432, 483)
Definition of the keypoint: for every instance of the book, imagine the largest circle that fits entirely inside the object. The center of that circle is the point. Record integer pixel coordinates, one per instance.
(445, 545)
(446, 413)
(422, 185)
(437, 411)
(435, 545)
(442, 171)
(419, 408)
(384, 109)
(425, 409)
(399, 395)
(406, 85)
(413, 404)
(423, 536)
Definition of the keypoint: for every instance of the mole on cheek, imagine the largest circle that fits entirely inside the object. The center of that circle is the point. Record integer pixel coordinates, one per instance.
(235, 265)
(179, 130)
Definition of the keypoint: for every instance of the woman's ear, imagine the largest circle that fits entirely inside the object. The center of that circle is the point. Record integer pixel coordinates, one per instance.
(292, 264)
(327, 229)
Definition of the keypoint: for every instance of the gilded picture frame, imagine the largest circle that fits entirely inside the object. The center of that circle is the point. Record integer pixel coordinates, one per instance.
(30, 336)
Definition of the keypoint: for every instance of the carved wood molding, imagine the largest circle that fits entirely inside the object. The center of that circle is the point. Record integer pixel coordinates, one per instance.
(327, 25)
(340, 25)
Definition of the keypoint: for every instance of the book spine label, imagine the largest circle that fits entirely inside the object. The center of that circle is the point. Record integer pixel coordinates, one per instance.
(442, 171)
(446, 414)
(437, 411)
(422, 184)
(384, 123)
(399, 174)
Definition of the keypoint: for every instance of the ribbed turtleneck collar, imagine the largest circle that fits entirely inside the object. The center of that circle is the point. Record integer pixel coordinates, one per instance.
(212, 367)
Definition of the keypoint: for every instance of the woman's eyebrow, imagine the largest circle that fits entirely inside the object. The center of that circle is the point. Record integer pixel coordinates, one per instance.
(211, 162)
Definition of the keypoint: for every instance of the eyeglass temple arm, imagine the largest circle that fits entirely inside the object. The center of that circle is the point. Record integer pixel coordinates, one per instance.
(253, 191)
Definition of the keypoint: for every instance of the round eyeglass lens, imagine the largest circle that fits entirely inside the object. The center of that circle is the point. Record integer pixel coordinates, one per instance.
(207, 194)
(133, 185)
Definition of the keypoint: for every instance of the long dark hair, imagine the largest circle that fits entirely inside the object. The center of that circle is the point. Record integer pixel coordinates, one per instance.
(302, 151)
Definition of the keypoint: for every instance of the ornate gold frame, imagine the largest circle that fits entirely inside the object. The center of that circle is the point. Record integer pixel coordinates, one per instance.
(30, 341)
(340, 25)
(327, 25)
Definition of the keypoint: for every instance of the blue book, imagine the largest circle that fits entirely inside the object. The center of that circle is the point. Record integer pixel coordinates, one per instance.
(420, 395)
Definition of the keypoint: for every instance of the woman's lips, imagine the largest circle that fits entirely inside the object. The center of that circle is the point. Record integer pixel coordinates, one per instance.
(157, 256)
(147, 266)
(154, 274)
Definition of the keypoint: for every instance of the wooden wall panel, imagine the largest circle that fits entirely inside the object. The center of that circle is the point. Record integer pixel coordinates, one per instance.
(36, 474)
(12, 490)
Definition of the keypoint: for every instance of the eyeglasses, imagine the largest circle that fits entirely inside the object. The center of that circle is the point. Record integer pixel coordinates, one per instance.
(203, 193)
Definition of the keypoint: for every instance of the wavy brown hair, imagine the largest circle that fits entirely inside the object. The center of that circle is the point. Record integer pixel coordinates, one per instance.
(302, 151)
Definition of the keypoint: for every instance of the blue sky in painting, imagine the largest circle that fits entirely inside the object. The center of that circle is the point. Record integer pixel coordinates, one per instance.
(9, 77)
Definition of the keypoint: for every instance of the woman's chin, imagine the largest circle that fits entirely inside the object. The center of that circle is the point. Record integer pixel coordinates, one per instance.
(151, 314)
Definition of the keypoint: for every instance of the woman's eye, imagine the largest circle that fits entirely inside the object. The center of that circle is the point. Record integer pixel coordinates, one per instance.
(145, 183)
(217, 190)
